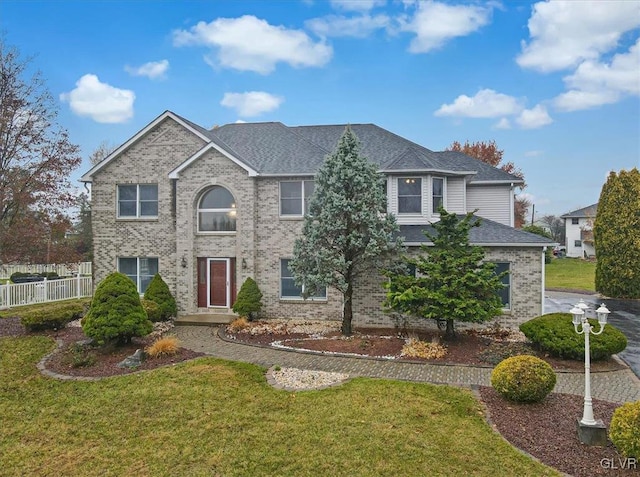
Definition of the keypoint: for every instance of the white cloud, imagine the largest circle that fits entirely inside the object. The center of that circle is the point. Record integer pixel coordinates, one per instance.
(435, 23)
(338, 25)
(594, 84)
(152, 69)
(485, 104)
(251, 103)
(100, 101)
(565, 33)
(250, 44)
(357, 5)
(534, 118)
(504, 123)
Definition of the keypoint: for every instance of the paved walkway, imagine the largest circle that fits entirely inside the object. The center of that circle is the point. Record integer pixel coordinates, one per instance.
(614, 386)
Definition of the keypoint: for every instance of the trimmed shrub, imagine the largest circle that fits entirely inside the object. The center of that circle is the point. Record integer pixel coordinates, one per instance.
(554, 333)
(167, 346)
(116, 313)
(152, 309)
(624, 430)
(523, 379)
(248, 302)
(159, 292)
(53, 316)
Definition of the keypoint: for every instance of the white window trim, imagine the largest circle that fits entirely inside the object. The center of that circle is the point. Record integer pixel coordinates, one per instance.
(137, 216)
(434, 213)
(422, 184)
(299, 298)
(293, 216)
(510, 285)
(137, 269)
(226, 210)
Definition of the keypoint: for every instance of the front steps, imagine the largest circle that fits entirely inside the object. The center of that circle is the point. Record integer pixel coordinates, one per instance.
(207, 317)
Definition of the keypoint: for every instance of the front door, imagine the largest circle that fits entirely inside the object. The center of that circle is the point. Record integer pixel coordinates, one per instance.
(219, 283)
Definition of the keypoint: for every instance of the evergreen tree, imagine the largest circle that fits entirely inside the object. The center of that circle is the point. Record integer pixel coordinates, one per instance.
(615, 234)
(452, 283)
(345, 236)
(116, 313)
(248, 301)
(159, 292)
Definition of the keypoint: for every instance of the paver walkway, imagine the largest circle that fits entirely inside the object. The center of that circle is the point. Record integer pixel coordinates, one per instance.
(614, 386)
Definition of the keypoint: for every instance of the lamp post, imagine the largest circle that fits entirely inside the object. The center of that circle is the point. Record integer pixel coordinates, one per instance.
(590, 431)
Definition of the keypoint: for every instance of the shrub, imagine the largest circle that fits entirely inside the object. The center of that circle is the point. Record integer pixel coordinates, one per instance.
(116, 313)
(167, 346)
(624, 430)
(238, 324)
(79, 356)
(159, 292)
(555, 334)
(523, 379)
(248, 301)
(53, 316)
(152, 309)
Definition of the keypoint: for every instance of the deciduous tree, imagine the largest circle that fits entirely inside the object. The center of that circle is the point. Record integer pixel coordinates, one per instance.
(36, 159)
(616, 236)
(345, 235)
(453, 281)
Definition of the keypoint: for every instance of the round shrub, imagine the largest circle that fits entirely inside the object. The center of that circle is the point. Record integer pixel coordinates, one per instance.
(248, 301)
(159, 292)
(152, 309)
(116, 313)
(624, 430)
(523, 379)
(554, 333)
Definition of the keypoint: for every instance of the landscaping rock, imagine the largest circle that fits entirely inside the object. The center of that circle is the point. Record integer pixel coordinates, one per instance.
(133, 361)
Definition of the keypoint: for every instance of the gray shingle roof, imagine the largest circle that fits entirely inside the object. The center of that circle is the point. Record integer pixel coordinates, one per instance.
(589, 211)
(488, 233)
(275, 149)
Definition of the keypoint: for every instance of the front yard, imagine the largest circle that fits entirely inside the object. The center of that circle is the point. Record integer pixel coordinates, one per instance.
(571, 274)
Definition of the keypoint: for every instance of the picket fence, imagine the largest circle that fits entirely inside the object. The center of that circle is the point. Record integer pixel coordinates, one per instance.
(16, 294)
(63, 270)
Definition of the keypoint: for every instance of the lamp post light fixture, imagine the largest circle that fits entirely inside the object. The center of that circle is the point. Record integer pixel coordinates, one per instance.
(590, 430)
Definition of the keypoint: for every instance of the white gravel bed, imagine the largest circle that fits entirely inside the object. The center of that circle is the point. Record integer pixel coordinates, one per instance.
(280, 326)
(300, 379)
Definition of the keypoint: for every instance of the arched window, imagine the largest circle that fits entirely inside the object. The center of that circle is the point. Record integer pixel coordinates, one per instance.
(217, 211)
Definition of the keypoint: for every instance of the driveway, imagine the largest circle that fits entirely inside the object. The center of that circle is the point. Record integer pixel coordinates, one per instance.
(625, 315)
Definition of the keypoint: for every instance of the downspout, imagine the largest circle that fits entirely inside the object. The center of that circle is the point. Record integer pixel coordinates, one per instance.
(512, 220)
(544, 250)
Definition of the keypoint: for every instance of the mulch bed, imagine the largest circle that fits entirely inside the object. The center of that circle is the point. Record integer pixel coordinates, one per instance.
(545, 430)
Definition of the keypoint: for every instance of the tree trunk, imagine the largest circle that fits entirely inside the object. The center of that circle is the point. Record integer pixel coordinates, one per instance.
(450, 332)
(347, 311)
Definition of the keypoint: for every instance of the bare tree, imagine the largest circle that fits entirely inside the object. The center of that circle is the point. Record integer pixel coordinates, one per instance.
(101, 152)
(556, 227)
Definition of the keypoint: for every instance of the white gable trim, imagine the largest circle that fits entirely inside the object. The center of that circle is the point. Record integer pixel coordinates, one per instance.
(174, 174)
(88, 177)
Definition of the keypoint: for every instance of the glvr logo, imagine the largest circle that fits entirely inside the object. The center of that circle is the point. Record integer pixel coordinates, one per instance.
(619, 463)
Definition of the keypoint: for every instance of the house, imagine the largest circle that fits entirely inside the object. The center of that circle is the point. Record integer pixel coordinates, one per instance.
(209, 208)
(579, 232)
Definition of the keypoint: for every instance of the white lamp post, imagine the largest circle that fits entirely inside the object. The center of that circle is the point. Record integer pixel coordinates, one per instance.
(580, 318)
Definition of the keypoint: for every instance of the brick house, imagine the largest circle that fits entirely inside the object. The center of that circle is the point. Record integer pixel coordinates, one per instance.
(209, 208)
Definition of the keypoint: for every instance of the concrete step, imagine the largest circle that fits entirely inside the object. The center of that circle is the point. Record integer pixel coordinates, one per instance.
(205, 319)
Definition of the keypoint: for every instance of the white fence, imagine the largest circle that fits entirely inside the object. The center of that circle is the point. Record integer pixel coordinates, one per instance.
(16, 294)
(63, 270)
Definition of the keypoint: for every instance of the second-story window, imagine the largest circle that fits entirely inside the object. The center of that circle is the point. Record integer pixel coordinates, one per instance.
(217, 211)
(295, 197)
(409, 195)
(137, 200)
(437, 194)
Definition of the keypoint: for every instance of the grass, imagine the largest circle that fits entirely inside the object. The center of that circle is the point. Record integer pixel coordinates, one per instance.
(571, 273)
(219, 418)
(16, 310)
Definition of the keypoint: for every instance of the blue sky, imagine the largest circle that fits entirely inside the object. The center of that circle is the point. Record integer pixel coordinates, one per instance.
(555, 84)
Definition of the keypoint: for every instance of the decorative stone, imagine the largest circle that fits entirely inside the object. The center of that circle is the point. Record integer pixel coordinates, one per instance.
(593, 435)
(133, 361)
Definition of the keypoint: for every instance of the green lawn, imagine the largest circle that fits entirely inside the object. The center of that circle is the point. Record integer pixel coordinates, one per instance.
(571, 273)
(218, 418)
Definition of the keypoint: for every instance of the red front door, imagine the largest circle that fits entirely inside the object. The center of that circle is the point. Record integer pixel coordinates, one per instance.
(218, 283)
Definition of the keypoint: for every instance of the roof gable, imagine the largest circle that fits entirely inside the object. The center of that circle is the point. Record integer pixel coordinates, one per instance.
(589, 211)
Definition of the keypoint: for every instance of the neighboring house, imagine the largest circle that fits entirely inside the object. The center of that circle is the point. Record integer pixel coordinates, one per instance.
(579, 232)
(209, 208)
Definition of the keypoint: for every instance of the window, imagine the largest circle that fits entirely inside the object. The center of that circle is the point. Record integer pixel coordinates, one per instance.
(288, 287)
(138, 200)
(217, 211)
(437, 194)
(409, 195)
(140, 269)
(577, 243)
(505, 293)
(575, 220)
(295, 197)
